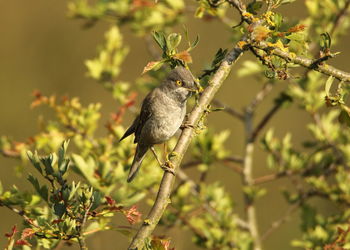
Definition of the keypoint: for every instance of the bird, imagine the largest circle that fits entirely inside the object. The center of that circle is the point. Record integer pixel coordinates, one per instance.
(162, 113)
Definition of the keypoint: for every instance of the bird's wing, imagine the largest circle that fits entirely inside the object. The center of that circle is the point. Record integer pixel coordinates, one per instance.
(131, 129)
(145, 114)
(140, 120)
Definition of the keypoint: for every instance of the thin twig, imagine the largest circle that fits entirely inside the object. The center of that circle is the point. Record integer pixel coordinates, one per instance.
(341, 15)
(181, 147)
(266, 119)
(260, 96)
(229, 110)
(275, 225)
(272, 177)
(228, 159)
(280, 221)
(21, 213)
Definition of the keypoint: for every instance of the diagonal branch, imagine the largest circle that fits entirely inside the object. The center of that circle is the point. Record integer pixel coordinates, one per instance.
(176, 156)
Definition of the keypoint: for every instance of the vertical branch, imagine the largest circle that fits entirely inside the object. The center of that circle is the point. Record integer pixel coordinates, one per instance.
(248, 180)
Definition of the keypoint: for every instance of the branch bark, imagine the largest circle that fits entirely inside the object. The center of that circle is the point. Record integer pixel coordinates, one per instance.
(162, 199)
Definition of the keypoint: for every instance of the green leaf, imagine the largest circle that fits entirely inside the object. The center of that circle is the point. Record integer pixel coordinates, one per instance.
(73, 190)
(328, 85)
(173, 41)
(97, 197)
(325, 41)
(249, 68)
(278, 20)
(42, 191)
(34, 159)
(287, 1)
(199, 12)
(254, 7)
(160, 40)
(195, 43)
(344, 118)
(154, 65)
(62, 161)
(48, 162)
(59, 209)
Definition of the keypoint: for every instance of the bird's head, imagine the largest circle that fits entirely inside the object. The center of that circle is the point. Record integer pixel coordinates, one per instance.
(180, 83)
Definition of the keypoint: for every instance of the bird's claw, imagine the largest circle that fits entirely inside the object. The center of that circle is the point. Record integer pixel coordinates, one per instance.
(168, 167)
(187, 125)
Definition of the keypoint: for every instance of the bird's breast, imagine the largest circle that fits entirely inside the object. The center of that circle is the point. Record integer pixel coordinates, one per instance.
(164, 123)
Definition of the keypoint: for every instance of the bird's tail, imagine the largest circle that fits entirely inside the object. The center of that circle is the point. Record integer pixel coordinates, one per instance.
(139, 156)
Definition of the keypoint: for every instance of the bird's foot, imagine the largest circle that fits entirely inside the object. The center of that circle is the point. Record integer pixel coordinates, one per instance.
(168, 167)
(186, 125)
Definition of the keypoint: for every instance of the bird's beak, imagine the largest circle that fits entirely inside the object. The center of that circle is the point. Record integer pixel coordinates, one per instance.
(198, 88)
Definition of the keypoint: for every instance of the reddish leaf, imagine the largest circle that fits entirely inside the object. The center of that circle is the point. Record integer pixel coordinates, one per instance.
(152, 65)
(118, 117)
(27, 232)
(184, 56)
(142, 3)
(133, 215)
(22, 242)
(12, 233)
(297, 28)
(110, 201)
(57, 221)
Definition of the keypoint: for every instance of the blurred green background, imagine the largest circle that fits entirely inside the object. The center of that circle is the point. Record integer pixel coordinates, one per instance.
(42, 49)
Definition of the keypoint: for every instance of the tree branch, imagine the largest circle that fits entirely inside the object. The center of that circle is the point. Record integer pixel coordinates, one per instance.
(176, 156)
(249, 182)
(305, 62)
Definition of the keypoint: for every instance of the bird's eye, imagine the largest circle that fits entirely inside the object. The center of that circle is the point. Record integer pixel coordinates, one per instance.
(179, 83)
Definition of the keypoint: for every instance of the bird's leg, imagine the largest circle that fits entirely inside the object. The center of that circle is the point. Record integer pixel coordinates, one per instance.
(166, 166)
(165, 151)
(156, 156)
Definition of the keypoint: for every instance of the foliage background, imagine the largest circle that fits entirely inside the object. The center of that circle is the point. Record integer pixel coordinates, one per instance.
(42, 49)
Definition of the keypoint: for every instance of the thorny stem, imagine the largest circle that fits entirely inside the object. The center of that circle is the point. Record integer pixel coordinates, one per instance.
(165, 188)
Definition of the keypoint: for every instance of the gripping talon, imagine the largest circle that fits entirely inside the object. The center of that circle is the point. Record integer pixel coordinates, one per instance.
(187, 125)
(168, 167)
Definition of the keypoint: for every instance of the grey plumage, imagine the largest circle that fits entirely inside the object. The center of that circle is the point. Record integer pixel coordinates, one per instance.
(162, 113)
